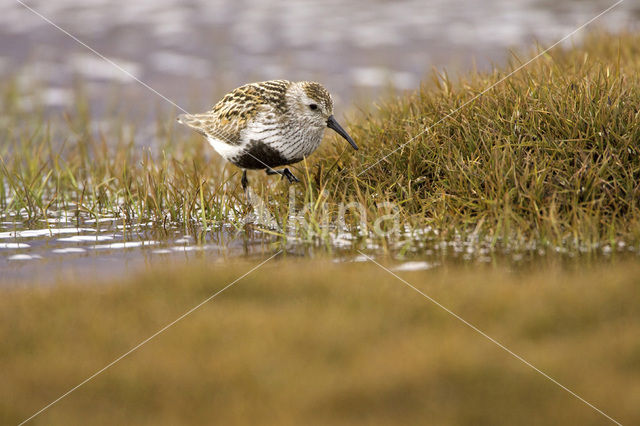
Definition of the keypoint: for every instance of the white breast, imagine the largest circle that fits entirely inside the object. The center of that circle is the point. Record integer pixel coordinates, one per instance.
(265, 128)
(224, 149)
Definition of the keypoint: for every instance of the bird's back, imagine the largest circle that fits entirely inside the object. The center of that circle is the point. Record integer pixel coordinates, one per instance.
(238, 109)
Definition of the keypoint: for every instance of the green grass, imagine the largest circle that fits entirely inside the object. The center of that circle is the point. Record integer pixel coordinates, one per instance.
(551, 153)
(314, 342)
(550, 156)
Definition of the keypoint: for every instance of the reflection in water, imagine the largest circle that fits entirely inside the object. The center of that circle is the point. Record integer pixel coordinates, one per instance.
(415, 266)
(110, 249)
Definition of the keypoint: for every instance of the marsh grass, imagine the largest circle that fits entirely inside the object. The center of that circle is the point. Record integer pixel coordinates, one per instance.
(548, 157)
(551, 153)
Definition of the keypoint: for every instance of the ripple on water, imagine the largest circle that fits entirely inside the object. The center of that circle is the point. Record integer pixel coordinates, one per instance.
(191, 248)
(68, 250)
(85, 238)
(14, 245)
(184, 240)
(162, 251)
(34, 233)
(101, 220)
(124, 245)
(24, 257)
(415, 266)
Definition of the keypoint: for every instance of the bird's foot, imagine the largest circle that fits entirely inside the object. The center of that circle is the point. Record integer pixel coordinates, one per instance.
(284, 173)
(287, 173)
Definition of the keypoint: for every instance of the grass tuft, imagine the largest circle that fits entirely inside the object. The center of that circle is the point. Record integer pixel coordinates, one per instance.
(550, 154)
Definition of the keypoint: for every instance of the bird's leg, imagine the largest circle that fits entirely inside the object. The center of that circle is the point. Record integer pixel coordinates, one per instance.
(284, 173)
(244, 181)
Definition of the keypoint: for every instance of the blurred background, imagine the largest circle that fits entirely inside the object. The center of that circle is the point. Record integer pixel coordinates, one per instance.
(194, 51)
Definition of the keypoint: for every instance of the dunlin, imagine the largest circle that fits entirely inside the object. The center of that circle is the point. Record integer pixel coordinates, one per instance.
(268, 124)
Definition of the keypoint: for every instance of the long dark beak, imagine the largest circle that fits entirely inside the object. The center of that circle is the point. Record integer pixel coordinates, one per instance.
(333, 124)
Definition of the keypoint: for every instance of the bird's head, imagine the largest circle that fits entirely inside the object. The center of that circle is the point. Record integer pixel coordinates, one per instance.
(312, 102)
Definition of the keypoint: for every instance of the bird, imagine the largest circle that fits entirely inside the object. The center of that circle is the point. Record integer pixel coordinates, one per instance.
(268, 124)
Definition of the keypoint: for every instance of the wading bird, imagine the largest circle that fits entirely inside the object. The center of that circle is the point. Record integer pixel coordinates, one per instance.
(268, 124)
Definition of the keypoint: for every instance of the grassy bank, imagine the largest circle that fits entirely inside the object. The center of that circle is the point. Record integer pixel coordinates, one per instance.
(311, 342)
(550, 155)
(551, 152)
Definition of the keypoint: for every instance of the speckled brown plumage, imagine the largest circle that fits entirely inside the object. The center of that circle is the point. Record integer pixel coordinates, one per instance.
(231, 114)
(268, 124)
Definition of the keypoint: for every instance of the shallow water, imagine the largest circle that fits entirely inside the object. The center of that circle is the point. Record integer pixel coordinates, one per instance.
(106, 249)
(109, 248)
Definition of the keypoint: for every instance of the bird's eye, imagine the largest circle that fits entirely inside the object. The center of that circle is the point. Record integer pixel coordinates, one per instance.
(313, 107)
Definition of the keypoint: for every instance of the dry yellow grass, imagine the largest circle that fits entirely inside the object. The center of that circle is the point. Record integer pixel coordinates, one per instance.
(326, 343)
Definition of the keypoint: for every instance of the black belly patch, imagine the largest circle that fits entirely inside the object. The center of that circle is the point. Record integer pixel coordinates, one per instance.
(260, 156)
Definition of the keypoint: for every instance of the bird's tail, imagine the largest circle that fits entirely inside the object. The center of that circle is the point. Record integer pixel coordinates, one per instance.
(191, 121)
(183, 118)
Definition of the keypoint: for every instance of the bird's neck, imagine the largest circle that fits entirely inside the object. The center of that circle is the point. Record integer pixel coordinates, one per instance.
(303, 130)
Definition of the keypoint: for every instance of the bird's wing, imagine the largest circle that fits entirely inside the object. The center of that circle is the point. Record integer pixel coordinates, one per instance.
(209, 126)
(237, 109)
